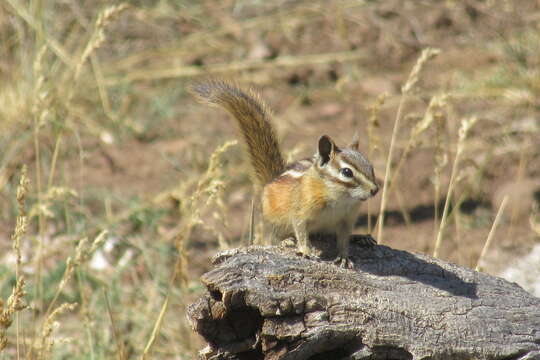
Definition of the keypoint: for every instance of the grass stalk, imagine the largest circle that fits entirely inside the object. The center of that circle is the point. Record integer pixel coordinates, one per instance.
(466, 125)
(156, 329)
(440, 160)
(20, 231)
(492, 232)
(406, 90)
(252, 222)
(279, 62)
(41, 219)
(119, 345)
(456, 214)
(39, 110)
(102, 89)
(384, 196)
(13, 305)
(51, 43)
(373, 138)
(54, 159)
(178, 270)
(403, 209)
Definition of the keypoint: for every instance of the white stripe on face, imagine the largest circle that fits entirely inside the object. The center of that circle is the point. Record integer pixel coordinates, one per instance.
(293, 173)
(333, 170)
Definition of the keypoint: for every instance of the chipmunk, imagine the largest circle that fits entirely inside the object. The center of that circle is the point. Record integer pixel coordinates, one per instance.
(318, 195)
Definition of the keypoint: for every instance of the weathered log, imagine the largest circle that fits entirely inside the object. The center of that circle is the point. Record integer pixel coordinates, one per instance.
(269, 303)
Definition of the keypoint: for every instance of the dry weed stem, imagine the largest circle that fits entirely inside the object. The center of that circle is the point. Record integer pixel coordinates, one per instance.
(426, 55)
(492, 232)
(14, 304)
(98, 36)
(466, 125)
(413, 78)
(46, 341)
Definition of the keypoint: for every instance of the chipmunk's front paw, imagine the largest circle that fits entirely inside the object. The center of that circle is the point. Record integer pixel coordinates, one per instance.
(289, 242)
(305, 253)
(344, 262)
(364, 240)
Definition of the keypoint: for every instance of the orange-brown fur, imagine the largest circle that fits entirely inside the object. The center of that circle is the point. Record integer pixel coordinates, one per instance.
(313, 195)
(276, 200)
(287, 197)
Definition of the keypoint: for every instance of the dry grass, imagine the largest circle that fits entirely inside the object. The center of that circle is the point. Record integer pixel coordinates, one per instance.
(406, 90)
(13, 305)
(492, 232)
(116, 188)
(466, 125)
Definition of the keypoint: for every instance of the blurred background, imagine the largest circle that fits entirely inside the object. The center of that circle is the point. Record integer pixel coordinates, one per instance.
(131, 186)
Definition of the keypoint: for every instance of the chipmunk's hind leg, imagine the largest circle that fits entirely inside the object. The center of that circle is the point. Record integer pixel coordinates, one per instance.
(343, 234)
(272, 234)
(302, 237)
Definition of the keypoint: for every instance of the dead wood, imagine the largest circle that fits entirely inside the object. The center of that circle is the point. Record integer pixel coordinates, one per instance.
(269, 303)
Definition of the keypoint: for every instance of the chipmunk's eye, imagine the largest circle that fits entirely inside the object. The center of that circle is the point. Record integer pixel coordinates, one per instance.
(346, 172)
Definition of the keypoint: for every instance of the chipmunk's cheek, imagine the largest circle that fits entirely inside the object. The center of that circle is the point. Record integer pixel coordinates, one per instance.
(360, 194)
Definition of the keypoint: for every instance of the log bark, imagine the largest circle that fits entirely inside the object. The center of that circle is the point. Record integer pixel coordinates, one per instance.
(269, 303)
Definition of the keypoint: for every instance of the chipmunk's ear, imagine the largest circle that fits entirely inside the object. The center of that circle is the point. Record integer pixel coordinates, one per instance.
(327, 148)
(355, 141)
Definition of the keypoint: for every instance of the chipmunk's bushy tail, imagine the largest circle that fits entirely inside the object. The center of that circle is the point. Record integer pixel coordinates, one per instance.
(252, 116)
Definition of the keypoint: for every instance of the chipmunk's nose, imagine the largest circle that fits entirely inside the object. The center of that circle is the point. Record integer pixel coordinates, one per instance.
(374, 191)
